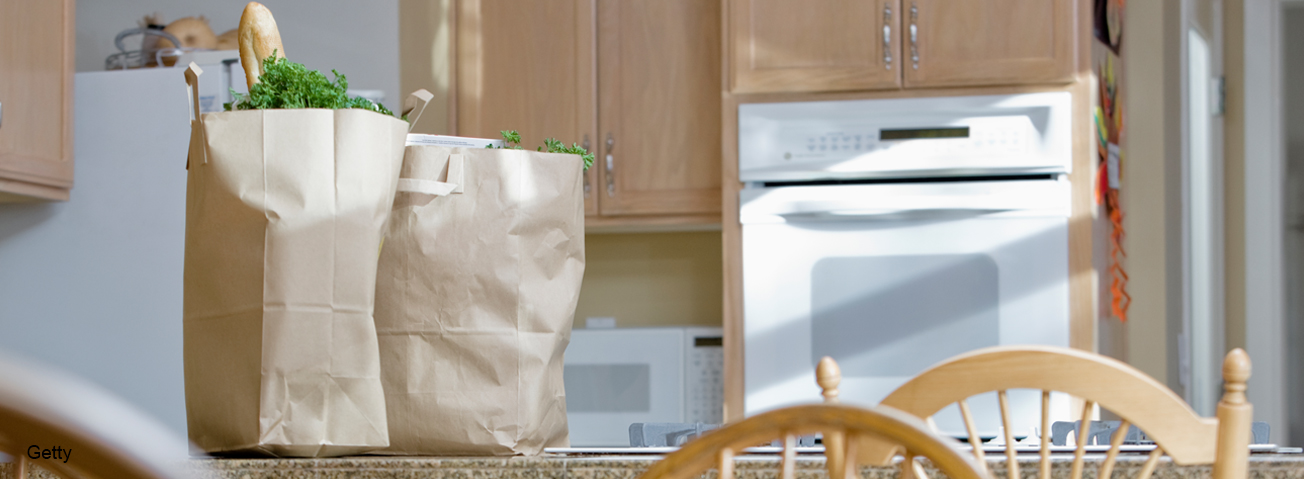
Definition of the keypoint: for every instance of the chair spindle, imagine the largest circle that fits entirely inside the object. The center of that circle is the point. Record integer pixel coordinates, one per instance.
(726, 463)
(974, 440)
(1044, 462)
(912, 469)
(1115, 444)
(1084, 429)
(789, 455)
(1011, 456)
(849, 467)
(1151, 462)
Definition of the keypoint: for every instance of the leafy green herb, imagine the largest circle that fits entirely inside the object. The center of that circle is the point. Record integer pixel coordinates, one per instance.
(286, 84)
(512, 141)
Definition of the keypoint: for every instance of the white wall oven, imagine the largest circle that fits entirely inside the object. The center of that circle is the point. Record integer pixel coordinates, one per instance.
(893, 234)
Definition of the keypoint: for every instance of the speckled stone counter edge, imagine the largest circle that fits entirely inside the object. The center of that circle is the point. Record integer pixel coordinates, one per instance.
(1265, 466)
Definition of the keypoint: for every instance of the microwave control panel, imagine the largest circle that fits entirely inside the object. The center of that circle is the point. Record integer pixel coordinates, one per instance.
(704, 376)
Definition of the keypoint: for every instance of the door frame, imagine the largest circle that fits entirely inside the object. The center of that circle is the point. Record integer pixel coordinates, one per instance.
(1200, 354)
(1265, 297)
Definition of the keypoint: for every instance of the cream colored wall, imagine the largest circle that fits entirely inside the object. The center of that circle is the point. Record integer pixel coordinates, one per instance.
(1151, 196)
(653, 279)
(424, 62)
(1234, 172)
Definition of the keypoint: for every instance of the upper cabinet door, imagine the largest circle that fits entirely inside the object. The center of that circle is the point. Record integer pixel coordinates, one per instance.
(820, 45)
(36, 75)
(659, 106)
(987, 42)
(528, 66)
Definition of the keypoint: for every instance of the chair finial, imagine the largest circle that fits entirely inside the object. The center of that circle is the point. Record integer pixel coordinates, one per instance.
(828, 376)
(1235, 371)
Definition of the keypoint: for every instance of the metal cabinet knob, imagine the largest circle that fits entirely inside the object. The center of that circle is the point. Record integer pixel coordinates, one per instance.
(914, 34)
(611, 166)
(887, 36)
(587, 186)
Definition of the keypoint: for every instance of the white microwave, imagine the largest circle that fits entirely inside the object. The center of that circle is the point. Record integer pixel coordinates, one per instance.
(617, 377)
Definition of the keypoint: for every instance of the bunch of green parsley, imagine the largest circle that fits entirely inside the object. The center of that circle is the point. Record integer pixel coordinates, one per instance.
(512, 141)
(286, 84)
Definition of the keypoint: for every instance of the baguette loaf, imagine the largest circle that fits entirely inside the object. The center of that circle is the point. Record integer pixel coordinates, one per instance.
(259, 39)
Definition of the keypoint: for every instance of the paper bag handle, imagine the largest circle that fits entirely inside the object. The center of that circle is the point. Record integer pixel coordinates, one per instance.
(417, 101)
(192, 87)
(437, 188)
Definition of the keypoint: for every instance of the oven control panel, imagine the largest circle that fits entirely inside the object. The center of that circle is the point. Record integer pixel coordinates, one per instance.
(997, 134)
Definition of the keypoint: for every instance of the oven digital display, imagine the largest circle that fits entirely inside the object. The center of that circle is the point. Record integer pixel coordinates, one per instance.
(919, 133)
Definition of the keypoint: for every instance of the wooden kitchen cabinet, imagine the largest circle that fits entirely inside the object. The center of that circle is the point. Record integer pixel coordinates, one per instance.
(849, 45)
(824, 45)
(988, 42)
(528, 66)
(36, 78)
(636, 82)
(659, 107)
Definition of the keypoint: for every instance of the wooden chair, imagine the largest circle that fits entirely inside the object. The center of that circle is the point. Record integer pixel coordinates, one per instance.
(1136, 398)
(107, 437)
(844, 429)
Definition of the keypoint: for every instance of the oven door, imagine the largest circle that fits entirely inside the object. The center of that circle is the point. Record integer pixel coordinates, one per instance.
(889, 279)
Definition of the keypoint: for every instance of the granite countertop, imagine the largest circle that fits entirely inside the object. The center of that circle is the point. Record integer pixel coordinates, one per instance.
(1262, 466)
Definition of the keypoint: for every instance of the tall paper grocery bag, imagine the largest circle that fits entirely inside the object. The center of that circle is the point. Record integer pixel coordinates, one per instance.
(285, 211)
(475, 297)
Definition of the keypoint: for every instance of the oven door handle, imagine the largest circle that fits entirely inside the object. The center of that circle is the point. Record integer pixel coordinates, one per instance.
(892, 213)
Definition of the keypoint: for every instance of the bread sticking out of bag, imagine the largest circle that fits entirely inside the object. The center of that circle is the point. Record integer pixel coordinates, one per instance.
(259, 39)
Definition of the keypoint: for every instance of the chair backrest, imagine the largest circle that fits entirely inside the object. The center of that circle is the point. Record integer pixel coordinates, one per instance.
(101, 435)
(1101, 381)
(853, 424)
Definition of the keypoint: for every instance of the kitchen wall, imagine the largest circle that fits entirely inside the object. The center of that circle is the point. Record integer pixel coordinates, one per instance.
(1234, 171)
(1151, 195)
(424, 61)
(93, 285)
(653, 279)
(360, 39)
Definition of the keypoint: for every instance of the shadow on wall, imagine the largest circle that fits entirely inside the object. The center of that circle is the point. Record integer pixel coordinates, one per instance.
(15, 218)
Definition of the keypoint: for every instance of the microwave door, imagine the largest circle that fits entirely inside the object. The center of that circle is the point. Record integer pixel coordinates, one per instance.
(890, 279)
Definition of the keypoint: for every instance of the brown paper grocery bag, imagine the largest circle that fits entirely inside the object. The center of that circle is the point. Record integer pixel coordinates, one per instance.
(285, 211)
(475, 297)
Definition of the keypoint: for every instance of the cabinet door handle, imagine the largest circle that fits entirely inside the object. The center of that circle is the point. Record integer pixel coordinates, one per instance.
(587, 187)
(914, 34)
(887, 36)
(611, 166)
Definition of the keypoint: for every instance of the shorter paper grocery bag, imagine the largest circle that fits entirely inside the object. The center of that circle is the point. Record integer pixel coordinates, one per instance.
(475, 297)
(285, 212)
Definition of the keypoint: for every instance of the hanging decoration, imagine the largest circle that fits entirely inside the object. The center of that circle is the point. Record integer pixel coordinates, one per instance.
(1109, 130)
